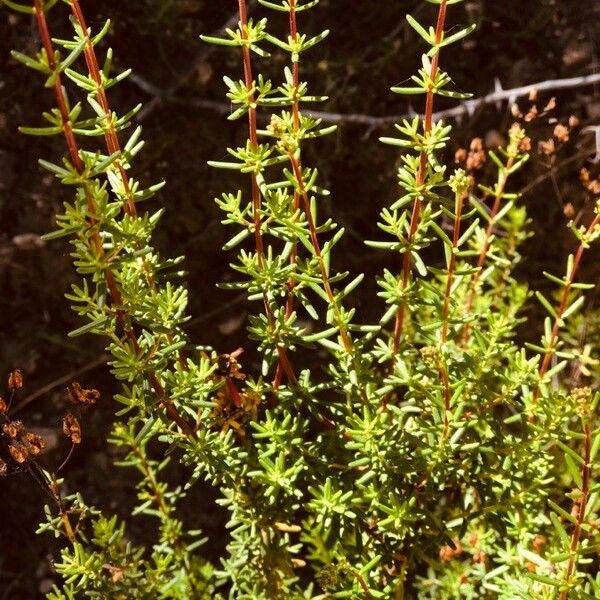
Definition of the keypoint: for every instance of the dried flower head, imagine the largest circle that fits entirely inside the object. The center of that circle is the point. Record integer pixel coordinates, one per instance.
(82, 396)
(71, 428)
(15, 380)
(35, 443)
(569, 210)
(525, 144)
(476, 157)
(460, 156)
(19, 452)
(547, 147)
(3, 406)
(561, 133)
(228, 365)
(3, 468)
(13, 429)
(532, 114)
(551, 105)
(539, 542)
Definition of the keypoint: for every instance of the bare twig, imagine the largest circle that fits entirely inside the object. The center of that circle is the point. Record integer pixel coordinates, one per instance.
(468, 107)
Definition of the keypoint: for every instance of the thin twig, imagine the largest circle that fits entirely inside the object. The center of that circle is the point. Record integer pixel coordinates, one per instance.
(467, 107)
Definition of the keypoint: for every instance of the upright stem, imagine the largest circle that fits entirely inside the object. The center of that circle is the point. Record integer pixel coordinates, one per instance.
(73, 148)
(581, 506)
(111, 137)
(284, 362)
(564, 301)
(344, 334)
(289, 304)
(421, 175)
(483, 254)
(460, 198)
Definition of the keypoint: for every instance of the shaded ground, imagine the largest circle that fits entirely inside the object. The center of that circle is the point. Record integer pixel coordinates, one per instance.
(369, 49)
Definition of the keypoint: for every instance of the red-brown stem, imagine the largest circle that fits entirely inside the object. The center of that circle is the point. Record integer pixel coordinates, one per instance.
(110, 135)
(346, 340)
(447, 398)
(581, 505)
(452, 266)
(284, 364)
(289, 304)
(446, 306)
(564, 300)
(73, 148)
(111, 139)
(501, 187)
(416, 212)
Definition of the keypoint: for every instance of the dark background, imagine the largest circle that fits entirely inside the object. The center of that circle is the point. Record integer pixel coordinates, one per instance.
(369, 49)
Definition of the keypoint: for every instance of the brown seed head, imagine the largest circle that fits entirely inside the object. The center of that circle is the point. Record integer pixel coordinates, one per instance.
(3, 406)
(476, 158)
(548, 147)
(561, 133)
(551, 105)
(460, 156)
(35, 443)
(446, 553)
(13, 429)
(19, 452)
(82, 396)
(594, 186)
(71, 428)
(15, 380)
(532, 114)
(569, 210)
(525, 145)
(530, 567)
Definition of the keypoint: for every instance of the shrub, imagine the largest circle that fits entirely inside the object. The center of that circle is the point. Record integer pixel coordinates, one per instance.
(432, 456)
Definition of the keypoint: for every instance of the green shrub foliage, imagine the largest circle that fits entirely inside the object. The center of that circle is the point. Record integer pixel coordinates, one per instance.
(431, 456)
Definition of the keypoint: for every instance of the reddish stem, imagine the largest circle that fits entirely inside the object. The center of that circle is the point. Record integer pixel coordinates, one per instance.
(581, 505)
(73, 148)
(317, 247)
(501, 187)
(110, 135)
(564, 301)
(284, 364)
(421, 175)
(452, 266)
(289, 304)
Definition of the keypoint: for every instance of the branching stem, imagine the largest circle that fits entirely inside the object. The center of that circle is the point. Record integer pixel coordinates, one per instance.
(73, 148)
